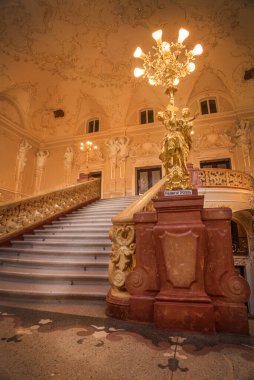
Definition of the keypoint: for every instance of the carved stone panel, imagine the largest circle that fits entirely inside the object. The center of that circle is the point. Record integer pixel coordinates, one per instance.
(180, 255)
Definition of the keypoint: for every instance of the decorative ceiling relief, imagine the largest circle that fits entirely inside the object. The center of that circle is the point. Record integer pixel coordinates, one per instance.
(213, 138)
(10, 112)
(56, 51)
(215, 20)
(148, 148)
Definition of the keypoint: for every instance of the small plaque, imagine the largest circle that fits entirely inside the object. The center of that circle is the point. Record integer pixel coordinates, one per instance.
(170, 193)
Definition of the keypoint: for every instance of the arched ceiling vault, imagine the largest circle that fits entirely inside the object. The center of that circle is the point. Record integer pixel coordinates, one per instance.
(55, 51)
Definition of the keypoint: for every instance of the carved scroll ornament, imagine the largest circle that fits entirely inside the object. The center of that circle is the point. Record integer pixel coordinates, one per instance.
(122, 256)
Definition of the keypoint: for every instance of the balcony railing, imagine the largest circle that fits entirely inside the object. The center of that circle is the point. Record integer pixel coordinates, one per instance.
(225, 178)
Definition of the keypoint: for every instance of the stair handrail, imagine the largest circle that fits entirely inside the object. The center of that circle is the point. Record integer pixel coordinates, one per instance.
(19, 216)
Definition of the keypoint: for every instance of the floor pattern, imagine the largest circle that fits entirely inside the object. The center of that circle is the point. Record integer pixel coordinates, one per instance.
(41, 345)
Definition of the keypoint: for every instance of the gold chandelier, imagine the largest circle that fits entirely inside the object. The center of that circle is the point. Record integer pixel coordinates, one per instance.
(165, 67)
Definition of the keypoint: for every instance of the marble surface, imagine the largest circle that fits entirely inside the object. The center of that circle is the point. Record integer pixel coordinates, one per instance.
(79, 342)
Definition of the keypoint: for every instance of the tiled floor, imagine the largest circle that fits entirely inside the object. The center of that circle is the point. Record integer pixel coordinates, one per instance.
(77, 341)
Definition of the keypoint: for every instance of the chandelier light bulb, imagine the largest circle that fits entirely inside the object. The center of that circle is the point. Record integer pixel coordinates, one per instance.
(192, 132)
(138, 53)
(197, 50)
(176, 81)
(191, 67)
(183, 34)
(151, 81)
(138, 72)
(89, 143)
(95, 147)
(157, 35)
(165, 46)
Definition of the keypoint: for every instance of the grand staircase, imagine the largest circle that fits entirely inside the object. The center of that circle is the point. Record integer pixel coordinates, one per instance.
(65, 259)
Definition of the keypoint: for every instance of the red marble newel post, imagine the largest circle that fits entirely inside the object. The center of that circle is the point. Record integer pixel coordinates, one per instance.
(143, 282)
(228, 290)
(180, 240)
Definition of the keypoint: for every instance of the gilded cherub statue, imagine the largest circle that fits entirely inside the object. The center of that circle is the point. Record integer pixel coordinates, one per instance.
(176, 146)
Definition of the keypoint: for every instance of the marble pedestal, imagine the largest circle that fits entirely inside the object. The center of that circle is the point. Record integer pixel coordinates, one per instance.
(184, 277)
(180, 238)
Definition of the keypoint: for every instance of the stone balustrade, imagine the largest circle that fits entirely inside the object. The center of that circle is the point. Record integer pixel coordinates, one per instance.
(225, 178)
(29, 212)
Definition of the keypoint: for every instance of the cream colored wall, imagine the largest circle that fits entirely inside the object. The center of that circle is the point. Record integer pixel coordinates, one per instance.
(213, 138)
(53, 175)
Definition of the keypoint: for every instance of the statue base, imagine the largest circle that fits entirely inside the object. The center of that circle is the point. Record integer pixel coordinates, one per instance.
(189, 316)
(172, 284)
(117, 306)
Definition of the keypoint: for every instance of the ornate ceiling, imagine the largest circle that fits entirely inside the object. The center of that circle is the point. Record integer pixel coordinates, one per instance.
(76, 55)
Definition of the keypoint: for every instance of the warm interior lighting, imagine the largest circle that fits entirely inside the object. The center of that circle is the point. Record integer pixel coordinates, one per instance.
(191, 67)
(89, 143)
(151, 81)
(192, 132)
(183, 34)
(157, 35)
(138, 72)
(138, 53)
(197, 50)
(176, 81)
(165, 46)
(95, 147)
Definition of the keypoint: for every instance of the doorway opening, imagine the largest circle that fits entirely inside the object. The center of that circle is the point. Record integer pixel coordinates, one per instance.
(223, 163)
(146, 178)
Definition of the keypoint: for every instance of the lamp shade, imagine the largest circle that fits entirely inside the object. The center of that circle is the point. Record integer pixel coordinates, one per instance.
(157, 35)
(183, 34)
(138, 72)
(197, 50)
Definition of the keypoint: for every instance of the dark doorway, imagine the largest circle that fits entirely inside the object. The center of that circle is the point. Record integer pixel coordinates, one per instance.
(223, 163)
(95, 174)
(239, 240)
(146, 178)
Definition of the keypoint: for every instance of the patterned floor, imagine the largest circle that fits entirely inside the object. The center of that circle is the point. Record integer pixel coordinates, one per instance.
(37, 344)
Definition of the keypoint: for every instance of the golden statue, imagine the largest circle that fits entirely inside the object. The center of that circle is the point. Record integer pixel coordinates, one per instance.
(176, 145)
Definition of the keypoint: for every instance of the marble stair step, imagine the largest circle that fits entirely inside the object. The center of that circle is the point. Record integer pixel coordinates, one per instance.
(94, 214)
(42, 274)
(35, 252)
(64, 245)
(91, 219)
(85, 264)
(96, 210)
(63, 229)
(66, 235)
(21, 289)
(80, 224)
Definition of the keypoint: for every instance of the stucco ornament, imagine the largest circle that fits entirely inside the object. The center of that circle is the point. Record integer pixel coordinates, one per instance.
(243, 140)
(41, 157)
(122, 256)
(68, 163)
(21, 161)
